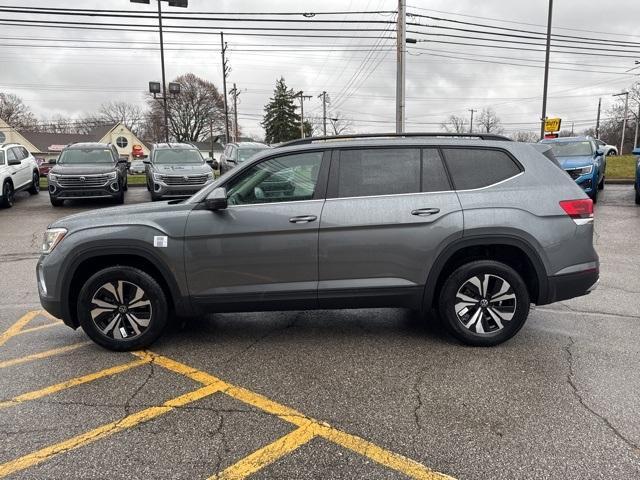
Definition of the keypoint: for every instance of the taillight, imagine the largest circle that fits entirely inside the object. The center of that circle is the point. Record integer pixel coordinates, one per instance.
(581, 211)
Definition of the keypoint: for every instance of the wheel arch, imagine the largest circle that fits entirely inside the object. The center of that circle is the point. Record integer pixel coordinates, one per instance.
(93, 260)
(512, 250)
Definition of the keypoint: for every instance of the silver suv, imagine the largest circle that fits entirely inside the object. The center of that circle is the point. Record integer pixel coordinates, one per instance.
(475, 228)
(176, 170)
(237, 152)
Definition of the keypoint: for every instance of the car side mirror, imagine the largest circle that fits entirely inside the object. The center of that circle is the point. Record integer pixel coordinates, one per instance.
(231, 160)
(146, 161)
(599, 152)
(217, 199)
(213, 163)
(52, 161)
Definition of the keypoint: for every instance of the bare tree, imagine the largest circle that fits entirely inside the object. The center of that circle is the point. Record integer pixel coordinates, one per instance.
(339, 124)
(489, 122)
(526, 137)
(191, 113)
(455, 124)
(16, 113)
(129, 114)
(59, 124)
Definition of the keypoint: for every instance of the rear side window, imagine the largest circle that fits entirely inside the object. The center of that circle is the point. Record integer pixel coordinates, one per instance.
(378, 171)
(434, 176)
(477, 168)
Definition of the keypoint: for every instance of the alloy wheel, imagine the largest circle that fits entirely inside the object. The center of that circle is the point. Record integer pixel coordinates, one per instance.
(484, 303)
(121, 310)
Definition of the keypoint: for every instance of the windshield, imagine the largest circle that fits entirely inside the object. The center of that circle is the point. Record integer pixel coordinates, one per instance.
(572, 149)
(79, 156)
(247, 153)
(170, 156)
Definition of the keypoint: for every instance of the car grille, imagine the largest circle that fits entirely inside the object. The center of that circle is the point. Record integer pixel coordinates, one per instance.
(184, 179)
(82, 180)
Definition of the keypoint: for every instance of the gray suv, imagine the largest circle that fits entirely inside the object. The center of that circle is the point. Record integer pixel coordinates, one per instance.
(176, 170)
(475, 228)
(237, 152)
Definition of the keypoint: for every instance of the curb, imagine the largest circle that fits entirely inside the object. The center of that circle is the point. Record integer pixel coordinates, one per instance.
(620, 181)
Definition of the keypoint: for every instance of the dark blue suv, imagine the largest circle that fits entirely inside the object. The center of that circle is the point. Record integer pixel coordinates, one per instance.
(582, 160)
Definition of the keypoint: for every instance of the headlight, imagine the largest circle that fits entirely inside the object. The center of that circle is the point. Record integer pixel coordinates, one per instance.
(584, 170)
(112, 175)
(157, 177)
(210, 176)
(53, 177)
(52, 237)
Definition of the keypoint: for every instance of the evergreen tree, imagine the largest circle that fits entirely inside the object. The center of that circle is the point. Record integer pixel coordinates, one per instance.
(281, 122)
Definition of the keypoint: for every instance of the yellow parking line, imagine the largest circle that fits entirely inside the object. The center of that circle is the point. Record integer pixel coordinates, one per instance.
(40, 355)
(14, 329)
(395, 461)
(380, 455)
(107, 372)
(40, 327)
(103, 431)
(267, 455)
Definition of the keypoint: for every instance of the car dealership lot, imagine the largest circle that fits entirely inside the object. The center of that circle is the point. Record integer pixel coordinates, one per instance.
(324, 394)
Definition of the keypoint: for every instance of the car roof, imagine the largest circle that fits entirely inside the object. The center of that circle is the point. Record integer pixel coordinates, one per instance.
(249, 144)
(84, 145)
(174, 146)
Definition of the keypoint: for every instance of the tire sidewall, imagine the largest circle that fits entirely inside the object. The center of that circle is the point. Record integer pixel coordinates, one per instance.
(154, 292)
(7, 194)
(447, 300)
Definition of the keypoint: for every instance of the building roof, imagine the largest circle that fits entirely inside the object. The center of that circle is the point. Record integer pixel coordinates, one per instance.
(43, 140)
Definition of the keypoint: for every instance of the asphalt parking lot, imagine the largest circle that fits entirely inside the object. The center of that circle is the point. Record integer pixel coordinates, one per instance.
(324, 394)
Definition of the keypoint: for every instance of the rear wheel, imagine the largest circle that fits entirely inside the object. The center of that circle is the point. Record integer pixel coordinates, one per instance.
(122, 308)
(8, 195)
(35, 184)
(484, 303)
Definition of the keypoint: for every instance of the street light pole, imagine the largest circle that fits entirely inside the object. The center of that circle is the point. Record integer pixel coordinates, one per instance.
(224, 87)
(401, 48)
(546, 71)
(598, 119)
(164, 81)
(624, 118)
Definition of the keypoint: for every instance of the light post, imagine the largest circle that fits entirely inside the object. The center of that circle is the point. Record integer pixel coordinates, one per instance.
(624, 118)
(172, 3)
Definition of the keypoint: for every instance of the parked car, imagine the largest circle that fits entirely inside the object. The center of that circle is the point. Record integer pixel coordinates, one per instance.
(608, 149)
(43, 166)
(636, 184)
(581, 158)
(237, 152)
(176, 170)
(137, 166)
(88, 170)
(479, 228)
(18, 171)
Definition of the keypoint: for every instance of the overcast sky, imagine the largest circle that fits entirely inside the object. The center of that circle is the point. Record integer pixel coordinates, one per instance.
(75, 81)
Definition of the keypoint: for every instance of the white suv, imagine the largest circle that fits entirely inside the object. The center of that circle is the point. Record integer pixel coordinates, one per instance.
(18, 171)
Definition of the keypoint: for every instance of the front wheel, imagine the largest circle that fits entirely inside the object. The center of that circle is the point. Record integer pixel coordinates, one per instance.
(594, 194)
(119, 198)
(637, 196)
(35, 184)
(484, 303)
(122, 308)
(6, 200)
(56, 202)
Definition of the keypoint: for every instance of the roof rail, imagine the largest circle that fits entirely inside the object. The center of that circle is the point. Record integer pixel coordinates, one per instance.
(481, 136)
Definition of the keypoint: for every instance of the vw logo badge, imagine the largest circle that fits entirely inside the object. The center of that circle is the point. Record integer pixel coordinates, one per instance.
(186, 177)
(82, 179)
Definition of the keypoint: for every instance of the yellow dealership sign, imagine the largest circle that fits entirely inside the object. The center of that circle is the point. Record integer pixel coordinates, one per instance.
(552, 124)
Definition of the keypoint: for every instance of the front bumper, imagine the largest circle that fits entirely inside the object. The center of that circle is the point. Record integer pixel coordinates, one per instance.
(587, 182)
(112, 189)
(161, 189)
(49, 300)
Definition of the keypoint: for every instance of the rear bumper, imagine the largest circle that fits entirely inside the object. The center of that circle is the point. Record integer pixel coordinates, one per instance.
(571, 285)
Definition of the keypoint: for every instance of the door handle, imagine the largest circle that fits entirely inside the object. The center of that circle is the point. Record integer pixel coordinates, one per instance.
(303, 219)
(424, 212)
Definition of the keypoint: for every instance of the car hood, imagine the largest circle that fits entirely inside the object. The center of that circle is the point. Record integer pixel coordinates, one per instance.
(182, 169)
(155, 214)
(575, 162)
(88, 169)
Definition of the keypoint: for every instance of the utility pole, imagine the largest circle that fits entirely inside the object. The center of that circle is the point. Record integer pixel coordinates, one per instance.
(302, 97)
(624, 119)
(471, 123)
(235, 94)
(572, 122)
(598, 120)
(635, 138)
(324, 112)
(164, 81)
(401, 49)
(546, 71)
(225, 72)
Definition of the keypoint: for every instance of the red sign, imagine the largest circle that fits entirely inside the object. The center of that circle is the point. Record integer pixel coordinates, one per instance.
(550, 135)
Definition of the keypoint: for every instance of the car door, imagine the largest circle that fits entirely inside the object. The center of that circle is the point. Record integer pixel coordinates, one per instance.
(387, 214)
(262, 250)
(17, 169)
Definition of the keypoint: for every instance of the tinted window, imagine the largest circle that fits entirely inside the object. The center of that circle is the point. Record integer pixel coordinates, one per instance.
(282, 179)
(476, 168)
(379, 171)
(1, 157)
(179, 155)
(11, 154)
(247, 153)
(434, 176)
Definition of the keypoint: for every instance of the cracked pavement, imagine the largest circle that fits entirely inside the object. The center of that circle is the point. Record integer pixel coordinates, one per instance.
(560, 400)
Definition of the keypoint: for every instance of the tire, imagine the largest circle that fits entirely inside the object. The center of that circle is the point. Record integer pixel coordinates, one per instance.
(119, 199)
(601, 184)
(155, 197)
(125, 187)
(8, 195)
(494, 324)
(637, 197)
(110, 328)
(55, 202)
(35, 184)
(594, 195)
